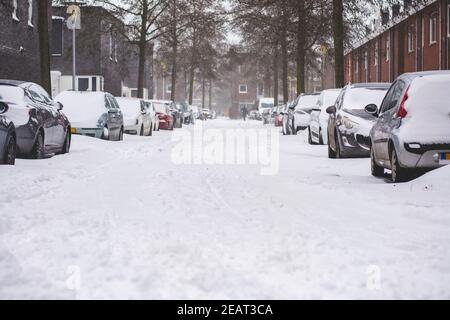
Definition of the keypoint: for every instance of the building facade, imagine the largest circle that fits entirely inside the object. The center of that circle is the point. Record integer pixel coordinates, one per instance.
(19, 40)
(105, 60)
(416, 39)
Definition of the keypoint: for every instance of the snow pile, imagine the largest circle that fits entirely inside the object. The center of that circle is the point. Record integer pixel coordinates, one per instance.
(83, 108)
(428, 108)
(437, 180)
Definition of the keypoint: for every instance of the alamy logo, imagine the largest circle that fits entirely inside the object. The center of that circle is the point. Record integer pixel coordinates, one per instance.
(228, 147)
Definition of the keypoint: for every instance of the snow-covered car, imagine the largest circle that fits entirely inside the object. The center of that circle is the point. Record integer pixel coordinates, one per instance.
(93, 114)
(41, 127)
(412, 131)
(349, 124)
(254, 115)
(206, 113)
(317, 132)
(302, 111)
(176, 114)
(136, 119)
(150, 108)
(165, 118)
(195, 112)
(288, 119)
(7, 138)
(187, 113)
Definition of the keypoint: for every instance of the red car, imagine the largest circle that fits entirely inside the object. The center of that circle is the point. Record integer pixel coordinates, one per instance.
(164, 115)
(279, 117)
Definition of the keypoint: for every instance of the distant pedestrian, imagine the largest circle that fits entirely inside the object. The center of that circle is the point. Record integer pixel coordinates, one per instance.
(244, 112)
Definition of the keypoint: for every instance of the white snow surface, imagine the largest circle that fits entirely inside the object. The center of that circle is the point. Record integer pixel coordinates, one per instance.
(82, 107)
(137, 226)
(428, 107)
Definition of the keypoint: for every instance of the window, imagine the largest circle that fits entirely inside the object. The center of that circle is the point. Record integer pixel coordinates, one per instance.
(357, 64)
(169, 88)
(411, 39)
(388, 48)
(366, 60)
(83, 84)
(377, 54)
(57, 36)
(448, 21)
(433, 28)
(243, 88)
(393, 96)
(111, 46)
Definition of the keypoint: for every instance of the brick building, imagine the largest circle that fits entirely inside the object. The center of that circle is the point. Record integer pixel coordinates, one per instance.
(105, 61)
(416, 39)
(19, 40)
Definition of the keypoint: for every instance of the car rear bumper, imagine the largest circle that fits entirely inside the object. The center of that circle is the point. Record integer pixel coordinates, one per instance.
(422, 156)
(90, 132)
(132, 129)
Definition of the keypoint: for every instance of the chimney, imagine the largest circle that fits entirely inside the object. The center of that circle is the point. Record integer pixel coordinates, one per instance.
(395, 10)
(384, 16)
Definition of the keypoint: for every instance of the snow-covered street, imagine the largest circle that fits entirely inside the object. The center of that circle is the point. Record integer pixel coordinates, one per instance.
(127, 222)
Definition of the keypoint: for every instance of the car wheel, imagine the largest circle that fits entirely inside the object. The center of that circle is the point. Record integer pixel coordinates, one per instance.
(151, 130)
(121, 134)
(10, 155)
(67, 142)
(338, 147)
(331, 153)
(320, 137)
(141, 132)
(294, 129)
(398, 174)
(375, 169)
(38, 148)
(309, 136)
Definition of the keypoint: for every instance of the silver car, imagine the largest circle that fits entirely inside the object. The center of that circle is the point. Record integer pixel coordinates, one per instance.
(412, 131)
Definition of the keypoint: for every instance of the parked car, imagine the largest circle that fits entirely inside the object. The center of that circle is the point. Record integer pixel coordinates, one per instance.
(266, 114)
(187, 113)
(254, 115)
(288, 118)
(166, 121)
(150, 108)
(93, 114)
(195, 112)
(318, 124)
(176, 114)
(41, 128)
(206, 113)
(349, 125)
(302, 111)
(136, 119)
(279, 115)
(7, 138)
(412, 130)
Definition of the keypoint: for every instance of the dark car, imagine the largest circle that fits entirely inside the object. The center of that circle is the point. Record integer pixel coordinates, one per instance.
(349, 124)
(7, 138)
(41, 128)
(176, 113)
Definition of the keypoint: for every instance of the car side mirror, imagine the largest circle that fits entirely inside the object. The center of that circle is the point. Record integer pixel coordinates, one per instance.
(113, 110)
(331, 110)
(371, 109)
(60, 106)
(3, 107)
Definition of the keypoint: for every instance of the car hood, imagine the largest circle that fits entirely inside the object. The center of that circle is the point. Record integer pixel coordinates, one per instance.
(360, 113)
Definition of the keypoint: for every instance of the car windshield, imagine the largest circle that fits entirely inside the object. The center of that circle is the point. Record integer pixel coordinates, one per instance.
(266, 105)
(307, 101)
(359, 98)
(11, 94)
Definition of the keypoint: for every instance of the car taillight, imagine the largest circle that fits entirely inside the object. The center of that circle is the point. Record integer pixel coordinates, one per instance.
(402, 111)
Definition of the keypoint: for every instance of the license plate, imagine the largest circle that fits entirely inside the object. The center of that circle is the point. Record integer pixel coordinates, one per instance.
(74, 130)
(444, 158)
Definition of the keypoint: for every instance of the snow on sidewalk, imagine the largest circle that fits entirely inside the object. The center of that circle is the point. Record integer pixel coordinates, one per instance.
(137, 226)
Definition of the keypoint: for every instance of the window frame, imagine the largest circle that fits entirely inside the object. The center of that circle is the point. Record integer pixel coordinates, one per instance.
(242, 91)
(433, 26)
(411, 38)
(448, 20)
(388, 48)
(377, 53)
(62, 36)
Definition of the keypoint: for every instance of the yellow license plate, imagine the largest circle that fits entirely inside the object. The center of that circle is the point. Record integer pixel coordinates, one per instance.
(74, 130)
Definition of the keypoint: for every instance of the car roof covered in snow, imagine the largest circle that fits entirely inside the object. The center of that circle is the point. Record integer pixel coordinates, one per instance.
(412, 75)
(371, 85)
(15, 83)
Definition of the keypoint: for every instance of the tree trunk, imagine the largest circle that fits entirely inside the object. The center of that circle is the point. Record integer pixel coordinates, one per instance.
(174, 50)
(275, 74)
(191, 84)
(44, 47)
(284, 57)
(338, 37)
(142, 51)
(203, 90)
(301, 44)
(210, 94)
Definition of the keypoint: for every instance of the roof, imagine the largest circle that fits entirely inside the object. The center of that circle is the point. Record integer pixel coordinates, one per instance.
(393, 22)
(371, 85)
